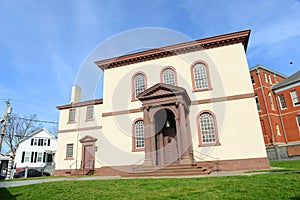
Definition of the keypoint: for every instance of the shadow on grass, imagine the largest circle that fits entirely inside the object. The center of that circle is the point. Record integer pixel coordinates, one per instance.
(5, 194)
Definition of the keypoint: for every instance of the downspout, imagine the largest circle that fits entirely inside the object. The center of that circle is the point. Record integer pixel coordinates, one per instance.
(267, 110)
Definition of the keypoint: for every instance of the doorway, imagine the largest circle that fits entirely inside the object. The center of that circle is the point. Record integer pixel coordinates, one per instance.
(166, 143)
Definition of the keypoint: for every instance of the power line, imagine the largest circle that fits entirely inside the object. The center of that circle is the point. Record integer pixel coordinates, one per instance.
(36, 120)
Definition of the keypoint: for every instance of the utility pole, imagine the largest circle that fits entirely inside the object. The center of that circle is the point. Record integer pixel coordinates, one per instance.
(8, 111)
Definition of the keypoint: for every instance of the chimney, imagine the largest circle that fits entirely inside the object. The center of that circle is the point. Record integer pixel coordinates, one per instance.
(76, 94)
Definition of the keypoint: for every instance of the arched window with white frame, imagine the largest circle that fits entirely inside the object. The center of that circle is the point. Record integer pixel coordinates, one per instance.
(200, 76)
(139, 84)
(138, 135)
(168, 76)
(207, 128)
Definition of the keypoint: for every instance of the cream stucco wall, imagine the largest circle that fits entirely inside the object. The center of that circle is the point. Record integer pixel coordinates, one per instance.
(237, 120)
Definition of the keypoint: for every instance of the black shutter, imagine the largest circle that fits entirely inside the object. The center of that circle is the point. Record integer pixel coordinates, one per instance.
(35, 156)
(32, 156)
(49, 142)
(23, 156)
(32, 141)
(44, 157)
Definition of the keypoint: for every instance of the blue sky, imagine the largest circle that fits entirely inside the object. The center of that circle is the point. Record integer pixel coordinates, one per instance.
(43, 43)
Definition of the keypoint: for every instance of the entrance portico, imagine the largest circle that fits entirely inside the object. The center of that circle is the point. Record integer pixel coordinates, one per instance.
(166, 125)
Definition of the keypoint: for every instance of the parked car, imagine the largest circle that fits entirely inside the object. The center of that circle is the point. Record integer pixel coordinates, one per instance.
(2, 177)
(30, 173)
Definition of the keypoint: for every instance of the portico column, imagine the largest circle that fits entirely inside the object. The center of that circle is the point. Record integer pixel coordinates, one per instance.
(184, 137)
(147, 138)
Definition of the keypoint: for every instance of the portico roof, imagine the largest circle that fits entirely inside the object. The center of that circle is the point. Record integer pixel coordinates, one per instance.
(162, 90)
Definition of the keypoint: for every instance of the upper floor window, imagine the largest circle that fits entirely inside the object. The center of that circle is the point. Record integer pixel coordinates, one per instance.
(168, 76)
(282, 101)
(139, 84)
(40, 142)
(277, 130)
(200, 76)
(139, 134)
(90, 113)
(270, 80)
(69, 151)
(271, 101)
(298, 122)
(257, 102)
(72, 115)
(266, 78)
(252, 79)
(208, 129)
(295, 98)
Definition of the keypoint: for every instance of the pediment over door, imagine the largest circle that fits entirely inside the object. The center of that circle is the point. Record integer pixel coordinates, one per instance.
(88, 138)
(161, 91)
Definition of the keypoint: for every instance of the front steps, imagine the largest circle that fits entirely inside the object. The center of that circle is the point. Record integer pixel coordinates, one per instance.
(171, 170)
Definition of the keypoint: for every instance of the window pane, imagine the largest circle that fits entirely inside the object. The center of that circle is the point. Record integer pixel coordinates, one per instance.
(27, 156)
(200, 76)
(282, 101)
(169, 76)
(90, 112)
(257, 102)
(69, 150)
(72, 115)
(40, 157)
(139, 134)
(207, 128)
(139, 84)
(295, 97)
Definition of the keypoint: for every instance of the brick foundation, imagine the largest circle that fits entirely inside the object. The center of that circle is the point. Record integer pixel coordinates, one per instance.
(222, 165)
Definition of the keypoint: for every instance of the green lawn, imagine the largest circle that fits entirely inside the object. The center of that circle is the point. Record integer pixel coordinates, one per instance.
(287, 164)
(264, 186)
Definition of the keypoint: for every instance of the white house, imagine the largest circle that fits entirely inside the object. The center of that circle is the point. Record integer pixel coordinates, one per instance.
(37, 150)
(184, 105)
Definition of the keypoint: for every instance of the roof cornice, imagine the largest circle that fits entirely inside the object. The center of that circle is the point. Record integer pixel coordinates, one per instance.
(176, 49)
(80, 104)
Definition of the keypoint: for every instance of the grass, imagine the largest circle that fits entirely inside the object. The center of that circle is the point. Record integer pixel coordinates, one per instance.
(268, 186)
(263, 186)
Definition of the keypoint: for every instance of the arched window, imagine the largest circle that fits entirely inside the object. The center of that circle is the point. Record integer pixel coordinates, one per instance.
(168, 76)
(200, 76)
(138, 135)
(139, 84)
(208, 134)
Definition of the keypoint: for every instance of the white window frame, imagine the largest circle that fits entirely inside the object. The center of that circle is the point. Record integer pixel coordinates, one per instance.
(168, 76)
(295, 98)
(139, 84)
(89, 113)
(271, 101)
(70, 151)
(279, 99)
(257, 103)
(298, 122)
(277, 129)
(72, 115)
(35, 141)
(39, 157)
(27, 157)
(208, 128)
(200, 76)
(270, 80)
(45, 142)
(266, 78)
(139, 134)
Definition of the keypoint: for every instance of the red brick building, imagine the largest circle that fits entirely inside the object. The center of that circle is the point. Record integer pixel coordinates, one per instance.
(278, 107)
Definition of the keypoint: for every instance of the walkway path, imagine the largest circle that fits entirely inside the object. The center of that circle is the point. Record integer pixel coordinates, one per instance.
(5, 184)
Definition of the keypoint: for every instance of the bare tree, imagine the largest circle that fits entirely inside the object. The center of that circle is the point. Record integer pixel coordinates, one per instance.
(18, 128)
(53, 130)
